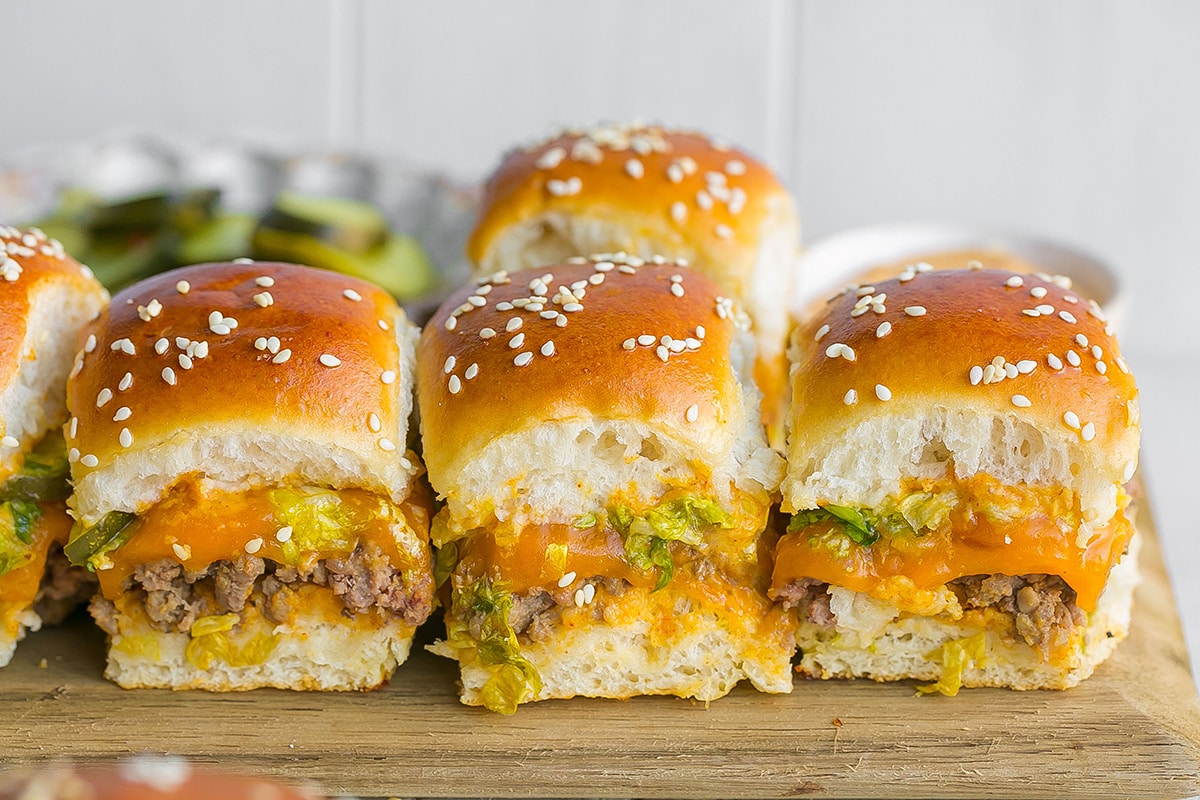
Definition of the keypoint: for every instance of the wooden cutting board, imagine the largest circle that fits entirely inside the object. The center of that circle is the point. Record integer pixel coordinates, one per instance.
(1132, 730)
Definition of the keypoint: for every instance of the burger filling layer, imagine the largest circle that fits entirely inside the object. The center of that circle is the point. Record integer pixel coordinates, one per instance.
(201, 553)
(948, 545)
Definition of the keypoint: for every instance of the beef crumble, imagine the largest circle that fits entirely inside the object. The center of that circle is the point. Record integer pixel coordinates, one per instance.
(63, 588)
(363, 580)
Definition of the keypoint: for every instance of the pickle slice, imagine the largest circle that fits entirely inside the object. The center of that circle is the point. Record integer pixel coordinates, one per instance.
(104, 535)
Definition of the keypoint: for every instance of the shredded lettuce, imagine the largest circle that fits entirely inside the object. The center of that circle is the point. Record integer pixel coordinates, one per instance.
(680, 520)
(25, 513)
(320, 521)
(15, 549)
(859, 526)
(926, 511)
(514, 679)
(956, 656)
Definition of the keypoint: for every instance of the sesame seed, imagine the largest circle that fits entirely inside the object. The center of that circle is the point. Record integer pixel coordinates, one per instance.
(185, 361)
(675, 173)
(882, 392)
(566, 580)
(168, 375)
(1089, 432)
(1021, 401)
(551, 314)
(350, 294)
(1011, 371)
(1015, 282)
(1081, 340)
(1072, 420)
(451, 323)
(915, 311)
(663, 352)
(677, 289)
(634, 168)
(388, 376)
(551, 158)
(448, 367)
(9, 441)
(1054, 361)
(989, 373)
(125, 346)
(723, 231)
(1067, 316)
(1130, 468)
(513, 324)
(850, 397)
(629, 344)
(183, 287)
(74, 427)
(1038, 292)
(571, 186)
(330, 360)
(679, 211)
(548, 349)
(125, 438)
(182, 551)
(1122, 365)
(645, 340)
(572, 307)
(1026, 366)
(387, 444)
(254, 545)
(404, 462)
(265, 281)
(735, 167)
(90, 461)
(1046, 309)
(704, 200)
(454, 385)
(523, 359)
(383, 324)
(281, 357)
(821, 331)
(471, 372)
(90, 344)
(517, 341)
(284, 534)
(264, 299)
(561, 321)
(161, 346)
(1073, 358)
(103, 396)
(580, 597)
(589, 593)
(883, 330)
(625, 269)
(477, 301)
(1097, 352)
(976, 375)
(486, 333)
(603, 266)
(123, 413)
(1031, 312)
(1101, 367)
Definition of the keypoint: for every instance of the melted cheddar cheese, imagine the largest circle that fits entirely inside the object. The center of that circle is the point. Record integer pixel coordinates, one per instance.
(1024, 532)
(210, 526)
(19, 586)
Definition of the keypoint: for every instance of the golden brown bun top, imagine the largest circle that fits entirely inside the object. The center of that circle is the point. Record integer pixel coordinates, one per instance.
(33, 269)
(252, 349)
(562, 343)
(986, 340)
(710, 197)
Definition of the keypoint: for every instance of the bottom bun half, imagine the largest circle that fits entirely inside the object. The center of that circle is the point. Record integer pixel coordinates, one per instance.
(317, 649)
(645, 643)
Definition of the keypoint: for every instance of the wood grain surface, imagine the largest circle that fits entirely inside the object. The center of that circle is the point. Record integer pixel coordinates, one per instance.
(1132, 730)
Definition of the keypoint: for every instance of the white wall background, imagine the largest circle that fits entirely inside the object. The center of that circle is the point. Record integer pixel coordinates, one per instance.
(1078, 119)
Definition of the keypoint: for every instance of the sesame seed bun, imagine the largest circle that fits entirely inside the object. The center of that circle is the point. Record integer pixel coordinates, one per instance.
(248, 374)
(206, 397)
(636, 383)
(650, 190)
(902, 404)
(972, 429)
(46, 297)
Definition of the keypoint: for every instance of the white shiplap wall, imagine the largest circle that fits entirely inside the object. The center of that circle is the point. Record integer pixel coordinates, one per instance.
(1078, 119)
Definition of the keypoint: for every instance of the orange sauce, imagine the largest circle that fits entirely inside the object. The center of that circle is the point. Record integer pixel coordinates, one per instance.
(20, 585)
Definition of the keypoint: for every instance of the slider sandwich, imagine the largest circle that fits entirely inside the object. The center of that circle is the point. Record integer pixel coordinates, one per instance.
(46, 297)
(646, 190)
(595, 434)
(959, 445)
(242, 489)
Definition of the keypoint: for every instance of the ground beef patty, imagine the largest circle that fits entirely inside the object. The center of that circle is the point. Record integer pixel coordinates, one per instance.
(364, 580)
(1042, 606)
